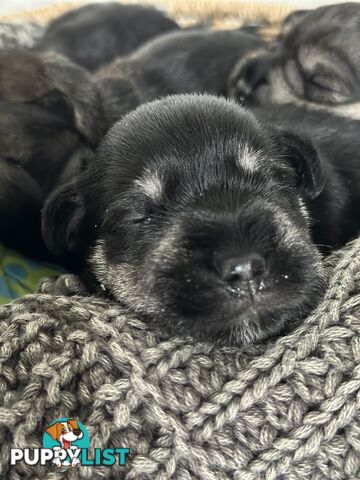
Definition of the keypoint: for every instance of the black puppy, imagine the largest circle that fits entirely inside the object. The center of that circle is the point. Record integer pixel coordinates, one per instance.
(335, 212)
(93, 35)
(50, 121)
(181, 62)
(314, 61)
(195, 214)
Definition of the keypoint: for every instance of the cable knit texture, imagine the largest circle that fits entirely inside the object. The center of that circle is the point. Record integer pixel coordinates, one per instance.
(285, 410)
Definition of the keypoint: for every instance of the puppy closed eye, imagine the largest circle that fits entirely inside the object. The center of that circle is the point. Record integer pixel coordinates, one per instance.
(121, 217)
(321, 81)
(136, 219)
(325, 85)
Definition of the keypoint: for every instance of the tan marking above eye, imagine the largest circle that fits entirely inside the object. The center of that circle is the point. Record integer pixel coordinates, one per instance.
(151, 184)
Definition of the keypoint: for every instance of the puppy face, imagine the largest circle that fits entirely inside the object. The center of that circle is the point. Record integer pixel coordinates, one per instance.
(65, 432)
(49, 109)
(193, 214)
(315, 60)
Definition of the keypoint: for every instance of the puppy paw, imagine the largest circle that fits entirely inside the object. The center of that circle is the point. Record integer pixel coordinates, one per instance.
(67, 285)
(248, 74)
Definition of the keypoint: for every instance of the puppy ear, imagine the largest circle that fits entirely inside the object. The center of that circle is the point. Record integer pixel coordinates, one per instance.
(304, 158)
(53, 431)
(62, 219)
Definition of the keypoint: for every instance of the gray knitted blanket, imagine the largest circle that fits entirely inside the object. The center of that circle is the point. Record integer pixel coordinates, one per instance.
(188, 411)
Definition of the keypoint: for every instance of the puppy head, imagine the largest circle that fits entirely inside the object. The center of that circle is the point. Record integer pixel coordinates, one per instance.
(194, 215)
(68, 430)
(49, 108)
(314, 60)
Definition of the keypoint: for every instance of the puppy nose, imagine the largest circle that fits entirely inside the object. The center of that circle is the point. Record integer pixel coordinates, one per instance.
(244, 268)
(77, 431)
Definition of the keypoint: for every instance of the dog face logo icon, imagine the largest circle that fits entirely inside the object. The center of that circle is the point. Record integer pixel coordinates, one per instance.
(66, 434)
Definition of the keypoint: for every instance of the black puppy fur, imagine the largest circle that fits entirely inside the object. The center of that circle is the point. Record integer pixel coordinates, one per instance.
(51, 120)
(94, 35)
(194, 214)
(58, 113)
(335, 211)
(314, 61)
(195, 61)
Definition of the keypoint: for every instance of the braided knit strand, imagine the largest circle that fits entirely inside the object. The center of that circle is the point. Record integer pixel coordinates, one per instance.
(188, 410)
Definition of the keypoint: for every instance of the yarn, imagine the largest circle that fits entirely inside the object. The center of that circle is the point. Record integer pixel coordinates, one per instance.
(288, 409)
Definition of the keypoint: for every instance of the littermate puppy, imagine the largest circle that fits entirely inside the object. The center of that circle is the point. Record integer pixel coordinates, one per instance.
(315, 61)
(93, 35)
(50, 122)
(335, 212)
(196, 61)
(197, 216)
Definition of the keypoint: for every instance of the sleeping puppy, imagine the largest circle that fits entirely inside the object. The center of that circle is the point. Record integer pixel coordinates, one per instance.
(335, 212)
(194, 61)
(93, 35)
(50, 121)
(197, 216)
(315, 62)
